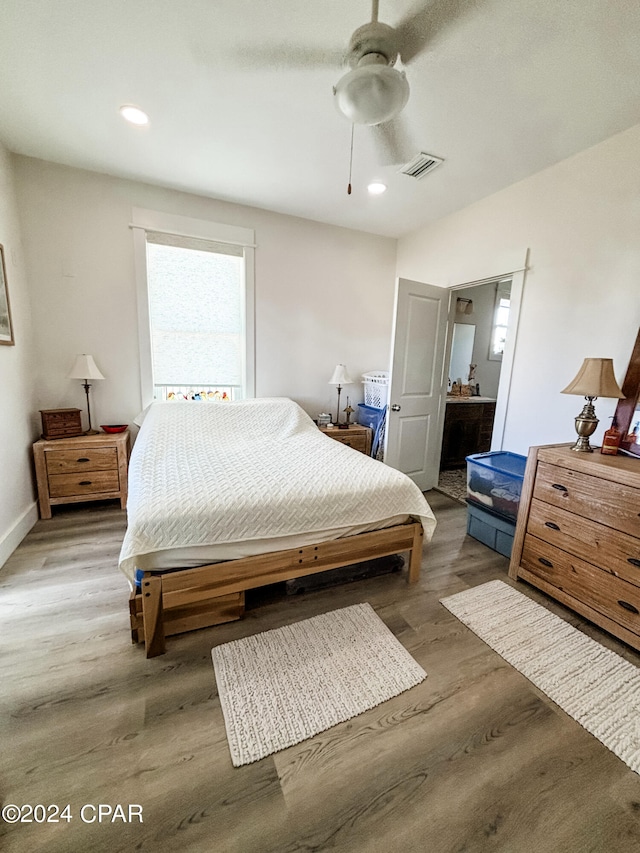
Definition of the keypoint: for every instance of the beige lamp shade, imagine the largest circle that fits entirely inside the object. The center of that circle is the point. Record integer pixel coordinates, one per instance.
(595, 379)
(340, 376)
(84, 367)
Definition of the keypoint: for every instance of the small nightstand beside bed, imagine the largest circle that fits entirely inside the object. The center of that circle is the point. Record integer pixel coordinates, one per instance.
(225, 497)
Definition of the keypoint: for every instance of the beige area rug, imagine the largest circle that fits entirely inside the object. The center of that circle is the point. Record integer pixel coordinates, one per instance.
(283, 686)
(595, 686)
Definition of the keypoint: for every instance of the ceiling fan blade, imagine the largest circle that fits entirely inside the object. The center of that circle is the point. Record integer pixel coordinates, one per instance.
(422, 28)
(392, 143)
(274, 57)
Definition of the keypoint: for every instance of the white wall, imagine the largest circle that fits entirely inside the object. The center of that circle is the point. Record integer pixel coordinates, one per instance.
(580, 220)
(17, 407)
(324, 295)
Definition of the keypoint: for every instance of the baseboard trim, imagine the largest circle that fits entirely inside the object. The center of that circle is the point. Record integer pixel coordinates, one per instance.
(14, 536)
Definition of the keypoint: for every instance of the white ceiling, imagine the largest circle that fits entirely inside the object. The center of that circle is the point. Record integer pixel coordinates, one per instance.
(507, 88)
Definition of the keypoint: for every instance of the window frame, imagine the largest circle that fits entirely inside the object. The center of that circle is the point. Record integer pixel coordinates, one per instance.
(501, 289)
(183, 226)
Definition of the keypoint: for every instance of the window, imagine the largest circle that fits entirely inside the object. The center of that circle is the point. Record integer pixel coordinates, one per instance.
(195, 318)
(500, 320)
(195, 298)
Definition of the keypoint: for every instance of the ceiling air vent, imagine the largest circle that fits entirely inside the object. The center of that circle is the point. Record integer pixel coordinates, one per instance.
(420, 165)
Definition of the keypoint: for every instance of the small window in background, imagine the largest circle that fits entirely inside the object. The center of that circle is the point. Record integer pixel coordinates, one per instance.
(500, 320)
(196, 315)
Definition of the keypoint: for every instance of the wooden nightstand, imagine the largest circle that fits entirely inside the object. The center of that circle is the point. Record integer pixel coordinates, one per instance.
(356, 436)
(86, 468)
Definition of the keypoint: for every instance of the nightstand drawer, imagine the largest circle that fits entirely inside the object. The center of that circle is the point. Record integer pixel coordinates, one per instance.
(81, 460)
(357, 442)
(611, 503)
(600, 590)
(356, 437)
(90, 482)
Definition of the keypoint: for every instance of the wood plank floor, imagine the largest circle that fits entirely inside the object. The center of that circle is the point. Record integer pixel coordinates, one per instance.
(473, 759)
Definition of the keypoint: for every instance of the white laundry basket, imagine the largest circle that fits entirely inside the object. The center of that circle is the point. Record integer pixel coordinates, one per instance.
(376, 388)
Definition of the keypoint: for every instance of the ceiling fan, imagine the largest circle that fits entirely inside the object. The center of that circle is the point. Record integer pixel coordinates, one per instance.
(374, 92)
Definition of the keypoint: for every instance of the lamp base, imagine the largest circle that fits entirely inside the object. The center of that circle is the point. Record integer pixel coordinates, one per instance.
(586, 423)
(582, 445)
(91, 432)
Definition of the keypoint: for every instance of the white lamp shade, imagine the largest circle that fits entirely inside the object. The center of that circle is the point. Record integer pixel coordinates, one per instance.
(340, 376)
(84, 367)
(595, 379)
(371, 94)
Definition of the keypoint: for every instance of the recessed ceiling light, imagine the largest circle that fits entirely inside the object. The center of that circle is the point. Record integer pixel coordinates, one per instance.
(134, 115)
(376, 188)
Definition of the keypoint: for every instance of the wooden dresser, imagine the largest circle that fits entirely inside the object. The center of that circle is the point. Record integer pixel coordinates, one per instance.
(577, 536)
(86, 468)
(356, 436)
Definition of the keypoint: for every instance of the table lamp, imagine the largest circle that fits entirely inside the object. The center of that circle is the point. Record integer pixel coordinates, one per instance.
(340, 377)
(85, 368)
(595, 379)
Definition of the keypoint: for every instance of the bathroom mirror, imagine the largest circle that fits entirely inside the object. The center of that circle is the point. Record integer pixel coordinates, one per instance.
(461, 352)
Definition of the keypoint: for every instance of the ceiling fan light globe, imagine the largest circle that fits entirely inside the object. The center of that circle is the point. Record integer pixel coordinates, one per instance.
(371, 94)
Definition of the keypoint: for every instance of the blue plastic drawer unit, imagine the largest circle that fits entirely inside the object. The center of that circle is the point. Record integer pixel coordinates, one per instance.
(494, 481)
(490, 529)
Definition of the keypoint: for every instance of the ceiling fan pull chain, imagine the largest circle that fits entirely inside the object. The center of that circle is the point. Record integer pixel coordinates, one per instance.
(350, 160)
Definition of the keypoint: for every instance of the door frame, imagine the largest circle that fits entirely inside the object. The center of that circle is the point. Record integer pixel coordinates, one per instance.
(506, 371)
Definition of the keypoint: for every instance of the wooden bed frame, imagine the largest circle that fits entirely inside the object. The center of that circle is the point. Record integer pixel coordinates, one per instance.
(184, 600)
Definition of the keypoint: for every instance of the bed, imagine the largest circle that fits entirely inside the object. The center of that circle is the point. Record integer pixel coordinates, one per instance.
(225, 497)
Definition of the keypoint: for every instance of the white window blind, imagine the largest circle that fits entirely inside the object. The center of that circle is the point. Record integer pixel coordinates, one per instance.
(500, 319)
(196, 311)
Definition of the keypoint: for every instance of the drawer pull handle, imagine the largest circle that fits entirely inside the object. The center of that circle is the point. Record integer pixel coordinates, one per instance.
(84, 483)
(552, 525)
(545, 562)
(628, 607)
(634, 561)
(83, 459)
(560, 487)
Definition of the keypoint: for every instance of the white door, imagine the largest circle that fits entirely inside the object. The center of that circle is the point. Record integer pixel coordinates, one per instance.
(417, 388)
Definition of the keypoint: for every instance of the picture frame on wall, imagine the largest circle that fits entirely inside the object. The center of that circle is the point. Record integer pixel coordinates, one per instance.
(6, 327)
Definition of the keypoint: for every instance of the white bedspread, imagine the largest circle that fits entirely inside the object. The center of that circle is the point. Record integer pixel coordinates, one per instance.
(208, 473)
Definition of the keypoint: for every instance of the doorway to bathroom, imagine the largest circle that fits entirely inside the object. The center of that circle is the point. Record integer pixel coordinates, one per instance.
(479, 317)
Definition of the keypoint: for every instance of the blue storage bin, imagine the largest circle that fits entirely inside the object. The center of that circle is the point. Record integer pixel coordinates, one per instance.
(369, 416)
(494, 481)
(373, 418)
(490, 529)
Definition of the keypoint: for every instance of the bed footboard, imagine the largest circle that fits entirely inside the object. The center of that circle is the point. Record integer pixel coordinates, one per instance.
(210, 595)
(163, 623)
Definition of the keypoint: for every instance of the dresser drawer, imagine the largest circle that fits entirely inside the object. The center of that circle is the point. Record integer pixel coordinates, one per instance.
(610, 503)
(609, 549)
(89, 482)
(81, 460)
(600, 590)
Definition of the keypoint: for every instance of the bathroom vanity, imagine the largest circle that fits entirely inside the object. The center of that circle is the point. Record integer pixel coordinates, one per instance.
(468, 425)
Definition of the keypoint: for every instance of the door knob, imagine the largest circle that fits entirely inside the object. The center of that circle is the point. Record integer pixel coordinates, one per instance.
(395, 407)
